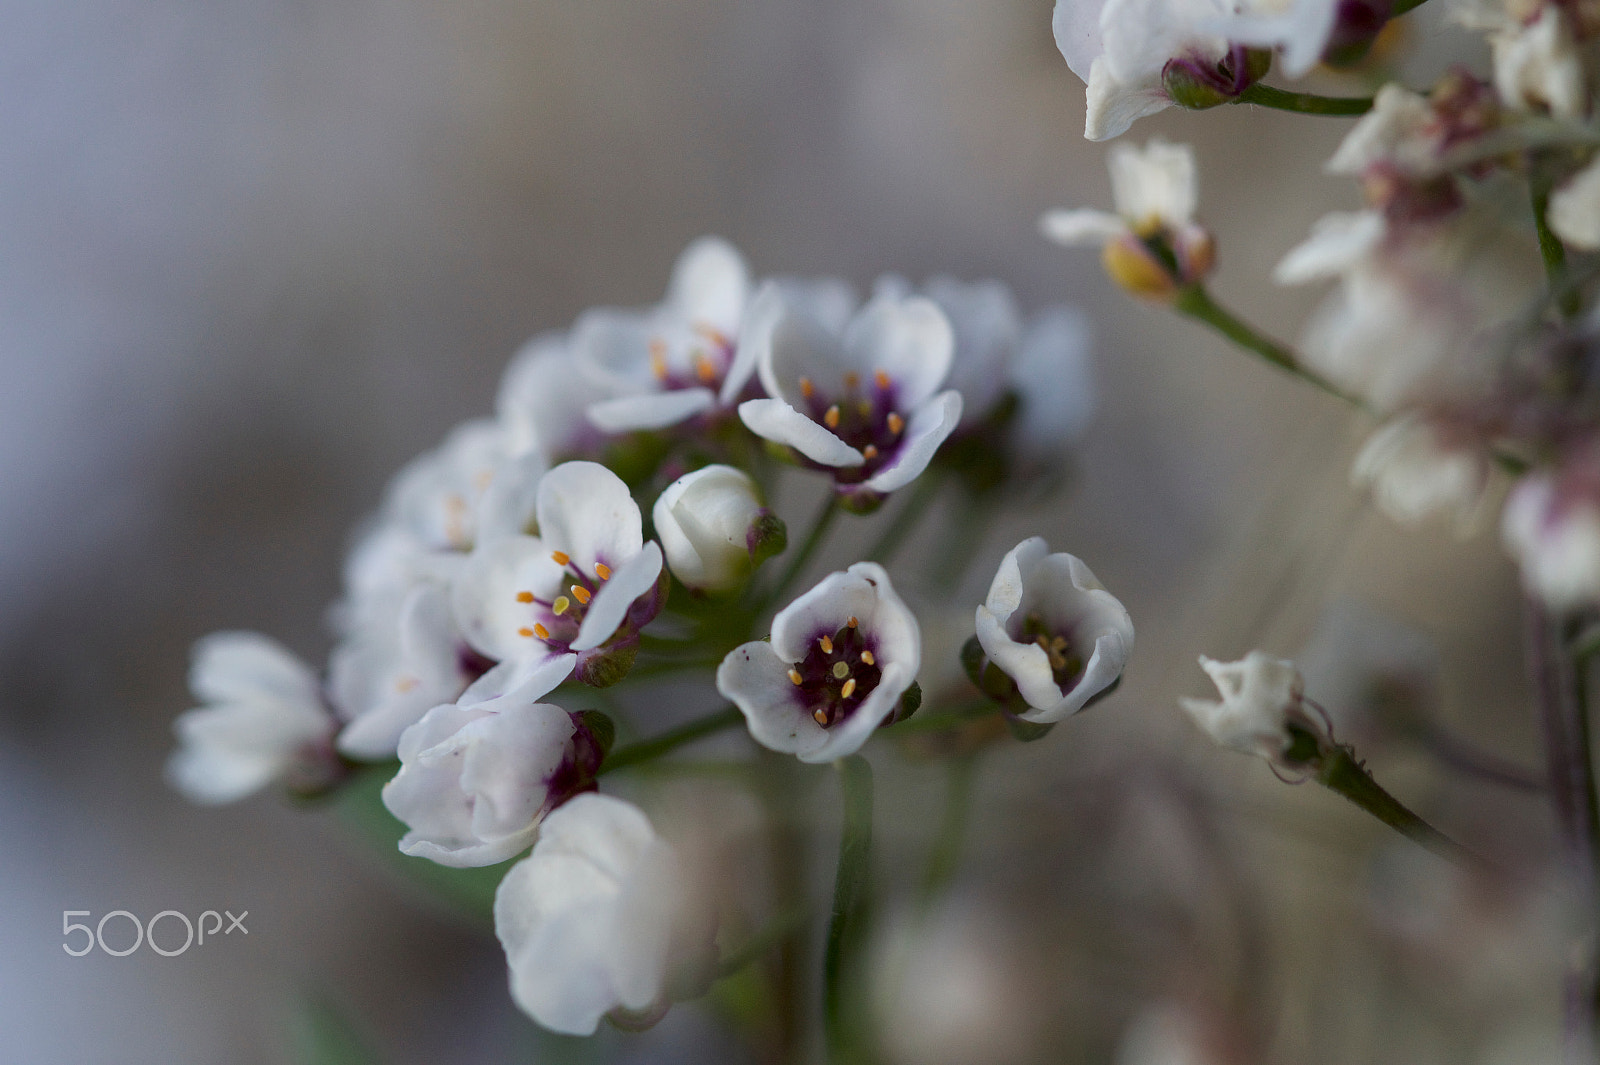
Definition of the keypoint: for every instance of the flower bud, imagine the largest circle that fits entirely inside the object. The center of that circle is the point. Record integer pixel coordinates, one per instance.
(714, 529)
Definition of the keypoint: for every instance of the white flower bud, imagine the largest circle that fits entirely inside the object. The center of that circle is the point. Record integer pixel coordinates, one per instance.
(1261, 697)
(710, 523)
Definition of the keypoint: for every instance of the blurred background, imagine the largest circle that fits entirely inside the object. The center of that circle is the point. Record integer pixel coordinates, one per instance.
(259, 254)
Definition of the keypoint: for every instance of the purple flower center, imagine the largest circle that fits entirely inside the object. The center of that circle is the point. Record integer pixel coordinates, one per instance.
(1066, 664)
(864, 414)
(709, 358)
(556, 621)
(837, 674)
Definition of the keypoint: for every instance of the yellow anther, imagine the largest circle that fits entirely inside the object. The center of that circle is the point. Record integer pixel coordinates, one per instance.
(713, 334)
(852, 623)
(705, 369)
(852, 379)
(807, 389)
(602, 571)
(841, 670)
(795, 677)
(821, 716)
(831, 419)
(896, 423)
(540, 631)
(868, 658)
(560, 606)
(870, 451)
(658, 360)
(524, 597)
(561, 558)
(849, 688)
(525, 632)
(880, 378)
(826, 643)
(581, 594)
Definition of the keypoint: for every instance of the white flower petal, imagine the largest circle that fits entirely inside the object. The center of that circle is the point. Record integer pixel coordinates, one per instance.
(930, 426)
(1112, 106)
(1082, 226)
(650, 410)
(775, 420)
(756, 680)
(1156, 182)
(910, 340)
(586, 511)
(628, 582)
(710, 284)
(1338, 241)
(1574, 212)
(1076, 25)
(248, 667)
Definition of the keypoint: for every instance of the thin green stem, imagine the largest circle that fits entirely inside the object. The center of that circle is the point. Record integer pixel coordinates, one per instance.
(945, 857)
(906, 519)
(1340, 772)
(759, 945)
(671, 740)
(1541, 180)
(849, 895)
(1197, 303)
(661, 667)
(797, 563)
(1304, 103)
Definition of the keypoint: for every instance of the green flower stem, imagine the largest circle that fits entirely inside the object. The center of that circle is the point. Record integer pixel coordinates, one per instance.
(945, 858)
(671, 740)
(845, 931)
(797, 562)
(1542, 174)
(1339, 770)
(763, 942)
(906, 519)
(660, 667)
(1304, 103)
(1197, 303)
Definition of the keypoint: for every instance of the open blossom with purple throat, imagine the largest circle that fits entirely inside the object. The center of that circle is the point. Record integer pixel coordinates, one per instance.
(1051, 627)
(840, 658)
(864, 404)
(577, 593)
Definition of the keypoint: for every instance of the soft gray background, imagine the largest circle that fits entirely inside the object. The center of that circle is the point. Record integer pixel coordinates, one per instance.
(259, 253)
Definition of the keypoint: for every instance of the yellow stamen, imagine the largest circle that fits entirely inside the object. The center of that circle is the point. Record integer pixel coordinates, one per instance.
(841, 670)
(868, 658)
(807, 389)
(826, 643)
(705, 369)
(525, 632)
(658, 360)
(849, 688)
(581, 594)
(795, 677)
(831, 419)
(896, 423)
(870, 451)
(524, 597)
(540, 631)
(852, 622)
(880, 378)
(821, 716)
(602, 571)
(561, 558)
(560, 606)
(852, 379)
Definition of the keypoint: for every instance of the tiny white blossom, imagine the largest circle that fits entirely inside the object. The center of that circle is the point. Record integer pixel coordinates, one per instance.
(1261, 697)
(1050, 626)
(865, 404)
(587, 579)
(602, 916)
(262, 720)
(475, 781)
(1399, 130)
(840, 658)
(1551, 525)
(1413, 470)
(544, 399)
(710, 523)
(1574, 213)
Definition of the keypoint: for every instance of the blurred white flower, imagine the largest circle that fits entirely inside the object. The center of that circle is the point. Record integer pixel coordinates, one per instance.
(262, 720)
(1053, 378)
(1156, 191)
(544, 398)
(1574, 212)
(1050, 626)
(987, 329)
(1261, 697)
(600, 917)
(470, 485)
(1413, 470)
(475, 782)
(1538, 65)
(712, 526)
(840, 658)
(865, 404)
(1398, 131)
(1551, 526)
(528, 602)
(665, 364)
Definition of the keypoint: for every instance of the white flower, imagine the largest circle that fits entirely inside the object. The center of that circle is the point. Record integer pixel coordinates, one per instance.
(600, 917)
(1419, 306)
(682, 358)
(1399, 130)
(544, 400)
(1574, 212)
(712, 525)
(588, 580)
(1156, 192)
(469, 488)
(475, 781)
(1052, 628)
(262, 720)
(1261, 697)
(1414, 470)
(405, 658)
(864, 405)
(840, 658)
(1054, 381)
(1300, 34)
(1551, 525)
(1539, 65)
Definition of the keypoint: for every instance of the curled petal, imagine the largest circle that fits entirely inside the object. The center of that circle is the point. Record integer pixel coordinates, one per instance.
(636, 576)
(775, 420)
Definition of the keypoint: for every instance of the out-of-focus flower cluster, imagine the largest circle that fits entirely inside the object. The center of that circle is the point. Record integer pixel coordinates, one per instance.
(624, 479)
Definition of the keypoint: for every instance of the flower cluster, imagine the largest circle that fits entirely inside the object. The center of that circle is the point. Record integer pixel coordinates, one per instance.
(609, 523)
